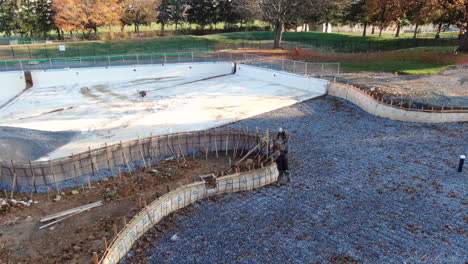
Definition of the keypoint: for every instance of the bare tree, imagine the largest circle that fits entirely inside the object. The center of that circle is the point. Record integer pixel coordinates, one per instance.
(279, 13)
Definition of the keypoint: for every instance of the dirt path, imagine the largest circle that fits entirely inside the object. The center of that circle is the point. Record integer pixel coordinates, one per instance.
(74, 239)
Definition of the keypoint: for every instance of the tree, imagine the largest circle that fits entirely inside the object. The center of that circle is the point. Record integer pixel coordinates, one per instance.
(278, 13)
(227, 12)
(171, 12)
(360, 12)
(202, 12)
(7, 17)
(26, 17)
(86, 15)
(139, 12)
(110, 12)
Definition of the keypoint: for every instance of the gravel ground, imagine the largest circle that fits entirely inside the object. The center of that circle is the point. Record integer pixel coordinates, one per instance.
(364, 188)
(447, 88)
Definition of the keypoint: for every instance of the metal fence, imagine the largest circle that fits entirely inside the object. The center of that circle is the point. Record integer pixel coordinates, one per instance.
(291, 66)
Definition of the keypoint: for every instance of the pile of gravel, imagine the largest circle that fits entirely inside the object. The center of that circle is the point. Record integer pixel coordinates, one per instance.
(22, 144)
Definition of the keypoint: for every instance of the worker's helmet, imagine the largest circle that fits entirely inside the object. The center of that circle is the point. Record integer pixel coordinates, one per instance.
(280, 130)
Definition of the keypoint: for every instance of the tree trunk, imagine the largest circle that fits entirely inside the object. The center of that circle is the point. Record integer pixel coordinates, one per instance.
(278, 35)
(364, 33)
(111, 32)
(464, 43)
(416, 30)
(163, 25)
(439, 28)
(176, 25)
(373, 30)
(380, 30)
(59, 36)
(397, 35)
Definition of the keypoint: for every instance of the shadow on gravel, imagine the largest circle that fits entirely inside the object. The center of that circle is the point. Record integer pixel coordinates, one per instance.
(22, 144)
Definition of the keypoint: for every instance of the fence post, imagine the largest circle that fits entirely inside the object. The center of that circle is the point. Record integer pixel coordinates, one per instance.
(306, 68)
(192, 57)
(21, 65)
(338, 68)
(165, 58)
(294, 66)
(138, 59)
(108, 60)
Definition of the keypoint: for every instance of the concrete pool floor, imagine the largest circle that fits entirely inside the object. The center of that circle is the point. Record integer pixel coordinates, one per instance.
(365, 189)
(114, 112)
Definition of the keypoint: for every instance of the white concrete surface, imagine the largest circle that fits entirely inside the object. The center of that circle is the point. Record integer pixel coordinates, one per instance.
(179, 99)
(11, 84)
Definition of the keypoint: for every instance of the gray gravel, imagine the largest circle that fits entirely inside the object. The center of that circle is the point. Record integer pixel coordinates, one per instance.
(364, 188)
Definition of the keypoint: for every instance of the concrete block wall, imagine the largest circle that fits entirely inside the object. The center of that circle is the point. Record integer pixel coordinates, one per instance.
(377, 108)
(179, 199)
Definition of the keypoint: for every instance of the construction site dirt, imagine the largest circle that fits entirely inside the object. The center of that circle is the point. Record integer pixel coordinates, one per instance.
(74, 240)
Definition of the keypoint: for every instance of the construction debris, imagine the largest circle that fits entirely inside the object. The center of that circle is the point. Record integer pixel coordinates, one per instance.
(68, 213)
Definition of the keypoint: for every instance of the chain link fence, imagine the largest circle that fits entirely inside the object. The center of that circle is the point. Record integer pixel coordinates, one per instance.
(291, 66)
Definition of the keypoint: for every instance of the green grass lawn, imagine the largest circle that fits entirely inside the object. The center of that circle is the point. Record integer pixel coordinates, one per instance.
(406, 67)
(321, 42)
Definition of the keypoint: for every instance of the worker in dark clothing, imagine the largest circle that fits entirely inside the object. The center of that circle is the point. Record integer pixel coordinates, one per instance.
(282, 138)
(283, 168)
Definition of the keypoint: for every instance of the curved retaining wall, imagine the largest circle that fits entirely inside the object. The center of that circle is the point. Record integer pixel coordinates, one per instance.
(105, 162)
(181, 198)
(377, 108)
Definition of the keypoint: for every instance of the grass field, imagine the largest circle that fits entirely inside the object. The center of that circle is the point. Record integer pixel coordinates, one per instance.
(354, 51)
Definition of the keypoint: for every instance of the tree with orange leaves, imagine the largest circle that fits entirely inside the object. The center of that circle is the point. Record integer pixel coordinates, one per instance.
(86, 15)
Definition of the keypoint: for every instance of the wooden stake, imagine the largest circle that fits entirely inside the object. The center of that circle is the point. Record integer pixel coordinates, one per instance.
(1, 177)
(95, 258)
(14, 179)
(115, 230)
(206, 152)
(141, 154)
(125, 159)
(227, 144)
(107, 156)
(124, 221)
(120, 174)
(268, 142)
(104, 243)
(53, 174)
(183, 156)
(91, 160)
(33, 179)
(139, 202)
(216, 146)
(89, 182)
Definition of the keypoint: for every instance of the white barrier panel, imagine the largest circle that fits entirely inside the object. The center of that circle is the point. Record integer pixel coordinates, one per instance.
(50, 78)
(287, 79)
(11, 84)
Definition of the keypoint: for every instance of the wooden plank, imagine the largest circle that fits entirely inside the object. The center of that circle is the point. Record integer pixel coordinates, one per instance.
(246, 155)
